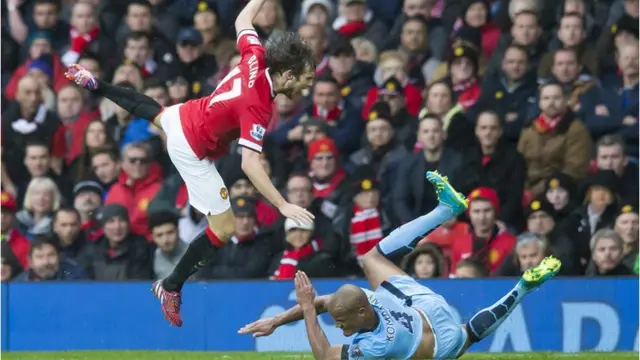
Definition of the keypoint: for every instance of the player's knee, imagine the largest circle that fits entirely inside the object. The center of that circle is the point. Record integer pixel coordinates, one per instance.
(223, 225)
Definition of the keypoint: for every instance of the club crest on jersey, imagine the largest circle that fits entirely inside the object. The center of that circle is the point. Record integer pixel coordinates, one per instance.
(356, 353)
(257, 132)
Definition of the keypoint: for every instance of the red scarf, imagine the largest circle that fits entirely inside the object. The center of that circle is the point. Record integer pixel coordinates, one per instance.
(352, 28)
(182, 197)
(330, 116)
(93, 229)
(79, 42)
(290, 258)
(468, 93)
(366, 230)
(546, 126)
(322, 190)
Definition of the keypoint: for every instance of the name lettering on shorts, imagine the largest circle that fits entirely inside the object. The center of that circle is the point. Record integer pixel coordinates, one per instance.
(253, 70)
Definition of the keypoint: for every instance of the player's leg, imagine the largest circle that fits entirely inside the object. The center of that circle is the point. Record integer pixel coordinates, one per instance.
(377, 265)
(137, 104)
(208, 194)
(487, 320)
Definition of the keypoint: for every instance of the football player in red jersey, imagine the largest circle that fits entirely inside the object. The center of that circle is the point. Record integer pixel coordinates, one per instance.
(200, 131)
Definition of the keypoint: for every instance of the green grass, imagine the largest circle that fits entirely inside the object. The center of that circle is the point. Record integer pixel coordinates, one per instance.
(176, 355)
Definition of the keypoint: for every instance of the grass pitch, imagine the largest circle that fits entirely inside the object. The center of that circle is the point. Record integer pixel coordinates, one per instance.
(176, 355)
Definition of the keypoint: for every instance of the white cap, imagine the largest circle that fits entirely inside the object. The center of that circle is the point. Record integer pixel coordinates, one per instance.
(307, 4)
(291, 224)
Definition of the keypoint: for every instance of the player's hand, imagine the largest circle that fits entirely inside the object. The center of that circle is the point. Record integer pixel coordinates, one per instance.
(296, 213)
(258, 328)
(304, 290)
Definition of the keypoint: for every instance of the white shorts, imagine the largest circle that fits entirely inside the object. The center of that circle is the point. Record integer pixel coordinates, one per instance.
(205, 187)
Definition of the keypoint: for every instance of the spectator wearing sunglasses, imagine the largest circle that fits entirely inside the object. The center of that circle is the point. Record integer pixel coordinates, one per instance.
(138, 182)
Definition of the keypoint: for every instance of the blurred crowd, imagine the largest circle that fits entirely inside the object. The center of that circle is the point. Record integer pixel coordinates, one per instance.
(530, 107)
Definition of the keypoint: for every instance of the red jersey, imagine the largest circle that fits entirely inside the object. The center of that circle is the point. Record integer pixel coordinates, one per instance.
(240, 107)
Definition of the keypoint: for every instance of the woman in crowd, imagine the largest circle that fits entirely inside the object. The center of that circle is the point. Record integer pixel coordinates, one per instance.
(425, 262)
(95, 137)
(41, 200)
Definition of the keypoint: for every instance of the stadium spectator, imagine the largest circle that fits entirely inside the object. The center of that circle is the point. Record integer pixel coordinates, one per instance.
(157, 90)
(415, 45)
(382, 152)
(355, 19)
(87, 198)
(354, 78)
(525, 32)
(169, 247)
(626, 225)
(11, 235)
(598, 212)
(95, 138)
(271, 20)
(37, 161)
(86, 35)
(137, 184)
(624, 94)
(606, 255)
(47, 264)
(610, 155)
(363, 220)
(439, 103)
(412, 196)
(470, 269)
(139, 18)
(560, 191)
(477, 14)
(425, 262)
(106, 167)
(303, 252)
(486, 242)
(554, 141)
(326, 170)
(509, 91)
(138, 51)
(394, 65)
(207, 21)
(72, 241)
(41, 200)
(445, 235)
(45, 16)
(230, 261)
(494, 163)
(436, 36)
(24, 121)
(621, 31)
(463, 75)
(75, 117)
(193, 63)
(120, 254)
(572, 34)
(11, 266)
(239, 185)
(391, 93)
(316, 37)
(586, 97)
(529, 251)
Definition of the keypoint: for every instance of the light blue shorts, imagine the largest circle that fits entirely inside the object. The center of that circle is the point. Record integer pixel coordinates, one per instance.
(449, 335)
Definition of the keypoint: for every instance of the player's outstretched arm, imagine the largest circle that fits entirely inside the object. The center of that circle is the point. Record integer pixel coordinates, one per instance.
(244, 21)
(322, 349)
(258, 176)
(265, 327)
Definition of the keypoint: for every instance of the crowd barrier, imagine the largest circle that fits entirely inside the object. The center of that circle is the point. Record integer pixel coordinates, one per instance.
(565, 315)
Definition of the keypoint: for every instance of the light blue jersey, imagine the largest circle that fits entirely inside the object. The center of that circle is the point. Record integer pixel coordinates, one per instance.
(398, 334)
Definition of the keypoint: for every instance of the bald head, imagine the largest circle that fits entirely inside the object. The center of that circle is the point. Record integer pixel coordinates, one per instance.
(348, 298)
(28, 95)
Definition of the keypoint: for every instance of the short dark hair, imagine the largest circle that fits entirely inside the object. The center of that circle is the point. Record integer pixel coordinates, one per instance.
(417, 18)
(574, 15)
(491, 112)
(55, 3)
(41, 241)
(475, 264)
(611, 140)
(37, 143)
(159, 218)
(154, 82)
(513, 45)
(326, 78)
(138, 35)
(106, 150)
(65, 209)
(144, 3)
(289, 52)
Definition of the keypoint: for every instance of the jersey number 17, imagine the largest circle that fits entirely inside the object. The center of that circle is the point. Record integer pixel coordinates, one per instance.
(236, 88)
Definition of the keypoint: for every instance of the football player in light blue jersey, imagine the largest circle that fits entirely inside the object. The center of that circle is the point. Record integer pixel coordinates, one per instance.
(400, 319)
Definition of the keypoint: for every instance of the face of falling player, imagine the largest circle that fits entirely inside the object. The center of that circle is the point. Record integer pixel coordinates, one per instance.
(294, 86)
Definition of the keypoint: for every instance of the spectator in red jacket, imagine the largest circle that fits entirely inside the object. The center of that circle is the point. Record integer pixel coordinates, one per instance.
(486, 242)
(138, 183)
(476, 14)
(18, 243)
